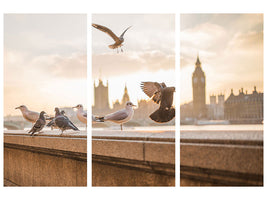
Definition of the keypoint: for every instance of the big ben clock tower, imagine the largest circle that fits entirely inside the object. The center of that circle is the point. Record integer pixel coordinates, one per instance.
(199, 91)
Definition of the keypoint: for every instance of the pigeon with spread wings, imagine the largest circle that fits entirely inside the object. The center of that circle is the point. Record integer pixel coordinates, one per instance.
(118, 40)
(163, 95)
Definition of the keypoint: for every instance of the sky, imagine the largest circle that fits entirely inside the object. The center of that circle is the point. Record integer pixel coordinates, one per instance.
(148, 53)
(230, 48)
(44, 61)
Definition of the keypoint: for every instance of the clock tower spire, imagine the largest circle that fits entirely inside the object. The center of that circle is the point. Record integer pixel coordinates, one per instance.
(199, 91)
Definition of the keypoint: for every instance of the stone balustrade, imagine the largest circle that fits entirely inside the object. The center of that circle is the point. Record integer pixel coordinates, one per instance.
(45, 159)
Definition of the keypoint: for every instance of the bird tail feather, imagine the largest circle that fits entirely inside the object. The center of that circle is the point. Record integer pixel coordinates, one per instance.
(163, 115)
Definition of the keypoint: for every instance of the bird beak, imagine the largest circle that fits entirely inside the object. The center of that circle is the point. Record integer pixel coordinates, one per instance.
(134, 105)
(17, 108)
(74, 107)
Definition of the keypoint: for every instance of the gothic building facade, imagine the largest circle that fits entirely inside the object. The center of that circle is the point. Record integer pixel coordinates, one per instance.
(244, 107)
(101, 99)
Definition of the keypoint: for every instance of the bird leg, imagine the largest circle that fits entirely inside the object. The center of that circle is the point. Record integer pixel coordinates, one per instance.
(121, 50)
(121, 127)
(117, 50)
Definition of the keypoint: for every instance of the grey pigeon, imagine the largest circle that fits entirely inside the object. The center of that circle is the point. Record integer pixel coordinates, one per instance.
(39, 124)
(163, 95)
(29, 115)
(118, 40)
(121, 116)
(63, 122)
(52, 123)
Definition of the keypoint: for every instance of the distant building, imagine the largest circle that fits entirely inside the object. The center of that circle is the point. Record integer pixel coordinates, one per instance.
(199, 91)
(216, 110)
(186, 112)
(244, 108)
(101, 97)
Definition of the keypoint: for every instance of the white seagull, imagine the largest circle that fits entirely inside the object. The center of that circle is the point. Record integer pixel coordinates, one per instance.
(121, 116)
(29, 115)
(81, 114)
(118, 40)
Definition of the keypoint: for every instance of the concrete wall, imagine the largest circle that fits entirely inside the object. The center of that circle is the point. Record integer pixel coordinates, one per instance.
(133, 158)
(45, 159)
(221, 158)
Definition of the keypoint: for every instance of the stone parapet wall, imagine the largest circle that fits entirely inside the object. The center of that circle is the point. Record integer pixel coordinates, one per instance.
(222, 158)
(46, 159)
(133, 158)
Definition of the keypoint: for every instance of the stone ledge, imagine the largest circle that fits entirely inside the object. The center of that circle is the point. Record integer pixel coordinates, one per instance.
(45, 159)
(221, 158)
(50, 140)
(133, 158)
(144, 146)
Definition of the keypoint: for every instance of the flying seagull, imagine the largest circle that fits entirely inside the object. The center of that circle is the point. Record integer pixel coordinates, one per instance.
(81, 114)
(121, 116)
(39, 124)
(163, 95)
(118, 40)
(63, 122)
(29, 115)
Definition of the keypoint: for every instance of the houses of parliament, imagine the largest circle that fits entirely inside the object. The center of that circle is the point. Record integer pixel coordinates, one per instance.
(241, 108)
(141, 113)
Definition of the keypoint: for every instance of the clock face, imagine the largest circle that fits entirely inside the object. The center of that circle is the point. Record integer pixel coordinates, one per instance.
(195, 79)
(202, 79)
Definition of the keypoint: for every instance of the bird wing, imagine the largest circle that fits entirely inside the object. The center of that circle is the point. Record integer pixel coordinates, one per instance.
(31, 115)
(106, 30)
(51, 123)
(125, 31)
(153, 90)
(116, 116)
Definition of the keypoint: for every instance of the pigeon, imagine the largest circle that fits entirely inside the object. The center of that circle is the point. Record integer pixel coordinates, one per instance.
(52, 123)
(39, 124)
(63, 122)
(81, 114)
(118, 40)
(163, 95)
(29, 115)
(121, 116)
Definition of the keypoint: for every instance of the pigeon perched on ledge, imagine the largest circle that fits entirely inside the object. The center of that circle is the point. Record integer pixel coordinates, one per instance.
(52, 123)
(118, 40)
(39, 124)
(63, 122)
(121, 116)
(163, 95)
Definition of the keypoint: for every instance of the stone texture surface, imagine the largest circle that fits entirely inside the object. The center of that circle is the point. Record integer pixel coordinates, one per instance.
(226, 156)
(103, 175)
(133, 158)
(26, 164)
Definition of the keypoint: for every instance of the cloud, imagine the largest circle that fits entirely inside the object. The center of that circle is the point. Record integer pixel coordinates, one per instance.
(114, 64)
(246, 42)
(74, 66)
(204, 35)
